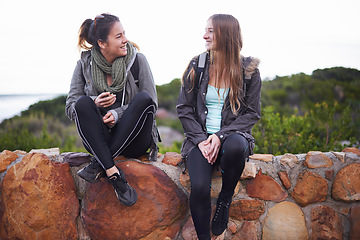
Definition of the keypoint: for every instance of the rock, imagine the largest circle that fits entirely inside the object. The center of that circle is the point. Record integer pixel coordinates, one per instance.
(143, 158)
(355, 223)
(346, 185)
(316, 159)
(188, 231)
(185, 181)
(325, 223)
(232, 227)
(353, 150)
(172, 158)
(20, 152)
(339, 155)
(329, 175)
(40, 199)
(220, 237)
(50, 152)
(249, 171)
(310, 188)
(285, 221)
(289, 159)
(248, 209)
(76, 158)
(352, 157)
(262, 157)
(344, 210)
(247, 231)
(266, 188)
(158, 213)
(6, 157)
(285, 179)
(29, 184)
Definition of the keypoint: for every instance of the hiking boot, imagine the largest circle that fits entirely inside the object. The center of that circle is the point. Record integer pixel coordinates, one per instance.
(124, 192)
(92, 172)
(221, 217)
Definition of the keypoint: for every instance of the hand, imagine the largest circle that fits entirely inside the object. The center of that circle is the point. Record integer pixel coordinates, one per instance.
(214, 147)
(109, 119)
(204, 149)
(210, 148)
(105, 99)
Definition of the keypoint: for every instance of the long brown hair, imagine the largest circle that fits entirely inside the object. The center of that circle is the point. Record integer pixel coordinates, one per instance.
(226, 58)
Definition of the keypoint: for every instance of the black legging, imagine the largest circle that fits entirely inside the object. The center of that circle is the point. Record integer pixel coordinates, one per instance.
(232, 155)
(130, 137)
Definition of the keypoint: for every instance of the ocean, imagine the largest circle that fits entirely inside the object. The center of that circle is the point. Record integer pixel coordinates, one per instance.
(12, 105)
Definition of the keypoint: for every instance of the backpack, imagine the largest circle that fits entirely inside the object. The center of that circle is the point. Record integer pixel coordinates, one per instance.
(135, 70)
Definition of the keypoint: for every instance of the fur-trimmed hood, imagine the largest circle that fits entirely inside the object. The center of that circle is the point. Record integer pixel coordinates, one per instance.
(250, 65)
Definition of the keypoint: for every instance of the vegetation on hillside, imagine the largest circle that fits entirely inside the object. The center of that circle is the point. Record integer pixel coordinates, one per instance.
(299, 113)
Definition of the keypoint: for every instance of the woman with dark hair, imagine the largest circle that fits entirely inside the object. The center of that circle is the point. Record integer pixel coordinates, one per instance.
(218, 108)
(113, 100)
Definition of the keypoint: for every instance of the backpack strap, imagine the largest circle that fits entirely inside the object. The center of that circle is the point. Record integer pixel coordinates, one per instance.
(135, 70)
(200, 68)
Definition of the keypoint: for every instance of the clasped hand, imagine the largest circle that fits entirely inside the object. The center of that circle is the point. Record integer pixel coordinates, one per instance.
(210, 148)
(104, 100)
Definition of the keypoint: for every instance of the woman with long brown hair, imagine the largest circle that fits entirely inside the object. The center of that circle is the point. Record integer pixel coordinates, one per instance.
(113, 100)
(218, 106)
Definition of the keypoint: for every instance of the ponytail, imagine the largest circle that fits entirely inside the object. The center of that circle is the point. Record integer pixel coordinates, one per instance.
(84, 35)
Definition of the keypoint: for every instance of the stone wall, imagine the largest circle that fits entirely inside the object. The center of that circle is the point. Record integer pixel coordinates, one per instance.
(305, 196)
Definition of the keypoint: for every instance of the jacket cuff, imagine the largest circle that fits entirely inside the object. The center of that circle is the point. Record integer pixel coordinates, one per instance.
(114, 113)
(221, 136)
(199, 139)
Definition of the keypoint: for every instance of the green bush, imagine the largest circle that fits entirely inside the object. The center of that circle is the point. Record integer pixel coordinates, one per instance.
(37, 130)
(320, 129)
(176, 146)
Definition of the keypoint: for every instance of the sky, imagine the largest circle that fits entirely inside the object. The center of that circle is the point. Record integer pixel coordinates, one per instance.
(39, 37)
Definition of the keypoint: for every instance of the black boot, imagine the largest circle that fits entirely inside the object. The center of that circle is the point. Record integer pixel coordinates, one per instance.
(124, 192)
(92, 172)
(221, 216)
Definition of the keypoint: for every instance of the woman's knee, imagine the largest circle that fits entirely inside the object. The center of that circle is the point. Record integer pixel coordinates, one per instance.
(83, 102)
(142, 99)
(236, 145)
(200, 190)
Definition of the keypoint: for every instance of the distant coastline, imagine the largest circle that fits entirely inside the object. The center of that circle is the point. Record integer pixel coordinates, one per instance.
(13, 104)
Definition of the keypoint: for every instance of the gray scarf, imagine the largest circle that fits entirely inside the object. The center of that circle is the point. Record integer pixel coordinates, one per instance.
(100, 66)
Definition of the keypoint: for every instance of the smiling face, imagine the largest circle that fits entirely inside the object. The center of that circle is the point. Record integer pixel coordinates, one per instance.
(115, 46)
(209, 36)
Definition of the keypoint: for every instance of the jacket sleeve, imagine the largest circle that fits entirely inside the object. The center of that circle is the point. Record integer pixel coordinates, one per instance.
(185, 107)
(76, 90)
(250, 115)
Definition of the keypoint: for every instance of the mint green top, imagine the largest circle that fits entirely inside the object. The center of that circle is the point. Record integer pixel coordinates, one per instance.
(214, 105)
